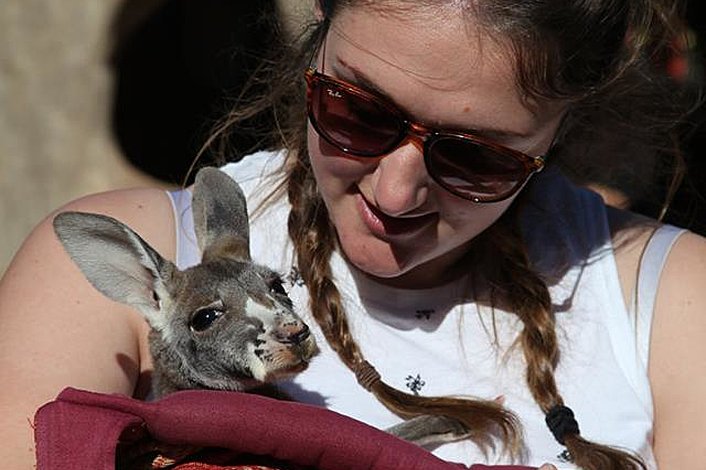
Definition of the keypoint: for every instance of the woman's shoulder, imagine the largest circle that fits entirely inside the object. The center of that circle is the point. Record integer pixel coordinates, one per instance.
(682, 292)
(146, 210)
(674, 262)
(642, 247)
(58, 330)
(677, 362)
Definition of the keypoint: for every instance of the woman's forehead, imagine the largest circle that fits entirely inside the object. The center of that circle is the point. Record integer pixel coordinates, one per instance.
(442, 68)
(418, 42)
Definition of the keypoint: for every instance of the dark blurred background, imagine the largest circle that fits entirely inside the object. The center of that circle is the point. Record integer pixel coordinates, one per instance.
(175, 70)
(110, 94)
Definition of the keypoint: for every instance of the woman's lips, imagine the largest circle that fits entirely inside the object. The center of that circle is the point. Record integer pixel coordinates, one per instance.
(385, 226)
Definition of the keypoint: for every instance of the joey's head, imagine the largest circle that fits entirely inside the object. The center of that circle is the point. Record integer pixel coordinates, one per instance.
(230, 325)
(225, 323)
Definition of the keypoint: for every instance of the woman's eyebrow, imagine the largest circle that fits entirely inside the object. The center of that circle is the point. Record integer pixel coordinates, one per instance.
(363, 81)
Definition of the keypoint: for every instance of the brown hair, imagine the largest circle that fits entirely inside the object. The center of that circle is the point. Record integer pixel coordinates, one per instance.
(598, 55)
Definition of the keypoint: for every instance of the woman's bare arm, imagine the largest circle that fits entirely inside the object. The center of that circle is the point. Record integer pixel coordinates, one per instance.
(56, 330)
(678, 357)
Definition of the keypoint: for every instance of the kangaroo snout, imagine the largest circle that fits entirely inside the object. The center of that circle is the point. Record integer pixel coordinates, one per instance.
(292, 332)
(286, 347)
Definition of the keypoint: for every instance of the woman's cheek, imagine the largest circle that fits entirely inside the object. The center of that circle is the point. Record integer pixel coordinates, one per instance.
(470, 218)
(329, 163)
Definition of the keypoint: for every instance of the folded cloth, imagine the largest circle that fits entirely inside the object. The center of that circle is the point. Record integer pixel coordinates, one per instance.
(205, 429)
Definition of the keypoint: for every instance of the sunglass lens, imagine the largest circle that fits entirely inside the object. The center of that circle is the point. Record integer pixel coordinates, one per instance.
(356, 123)
(473, 171)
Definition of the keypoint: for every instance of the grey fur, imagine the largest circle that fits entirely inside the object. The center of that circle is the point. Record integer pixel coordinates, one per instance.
(255, 337)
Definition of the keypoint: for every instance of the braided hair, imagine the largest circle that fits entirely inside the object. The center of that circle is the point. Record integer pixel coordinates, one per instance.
(590, 53)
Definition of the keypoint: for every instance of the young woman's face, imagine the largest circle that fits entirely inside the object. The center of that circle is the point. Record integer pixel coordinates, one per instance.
(393, 221)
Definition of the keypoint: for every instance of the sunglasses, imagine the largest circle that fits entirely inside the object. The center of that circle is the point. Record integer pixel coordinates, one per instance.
(363, 124)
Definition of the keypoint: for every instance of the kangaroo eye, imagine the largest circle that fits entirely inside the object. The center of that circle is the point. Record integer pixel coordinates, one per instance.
(204, 318)
(276, 286)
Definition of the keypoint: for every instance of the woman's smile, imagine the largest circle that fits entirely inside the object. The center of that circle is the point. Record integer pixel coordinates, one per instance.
(389, 227)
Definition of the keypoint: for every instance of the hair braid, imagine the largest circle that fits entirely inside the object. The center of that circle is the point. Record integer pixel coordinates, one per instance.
(314, 241)
(517, 283)
(528, 297)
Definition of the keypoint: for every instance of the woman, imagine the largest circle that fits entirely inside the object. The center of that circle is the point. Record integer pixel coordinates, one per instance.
(438, 259)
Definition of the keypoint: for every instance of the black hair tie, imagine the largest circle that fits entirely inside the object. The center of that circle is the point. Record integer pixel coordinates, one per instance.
(561, 422)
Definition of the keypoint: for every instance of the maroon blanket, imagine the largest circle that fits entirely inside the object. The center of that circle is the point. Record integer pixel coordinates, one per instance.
(224, 430)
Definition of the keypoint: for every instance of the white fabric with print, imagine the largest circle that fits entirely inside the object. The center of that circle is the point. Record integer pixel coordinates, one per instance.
(438, 342)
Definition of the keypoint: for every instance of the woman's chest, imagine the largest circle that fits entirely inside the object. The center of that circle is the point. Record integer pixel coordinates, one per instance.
(470, 355)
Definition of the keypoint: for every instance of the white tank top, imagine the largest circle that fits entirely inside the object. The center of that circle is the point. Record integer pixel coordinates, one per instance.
(439, 342)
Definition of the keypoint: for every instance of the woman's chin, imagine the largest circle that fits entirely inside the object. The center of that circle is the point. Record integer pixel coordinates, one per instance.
(388, 270)
(379, 270)
(406, 268)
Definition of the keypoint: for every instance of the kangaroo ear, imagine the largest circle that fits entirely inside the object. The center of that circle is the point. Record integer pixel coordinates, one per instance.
(220, 216)
(120, 264)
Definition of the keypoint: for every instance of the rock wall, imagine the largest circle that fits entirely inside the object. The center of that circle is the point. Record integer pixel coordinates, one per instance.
(55, 94)
(55, 103)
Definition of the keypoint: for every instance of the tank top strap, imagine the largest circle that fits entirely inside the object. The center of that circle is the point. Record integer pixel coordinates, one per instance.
(652, 263)
(187, 252)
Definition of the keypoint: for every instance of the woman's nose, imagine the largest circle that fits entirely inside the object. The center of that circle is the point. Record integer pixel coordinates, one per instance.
(400, 181)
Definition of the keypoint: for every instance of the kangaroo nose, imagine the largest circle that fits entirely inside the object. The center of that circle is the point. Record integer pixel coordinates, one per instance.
(292, 333)
(301, 336)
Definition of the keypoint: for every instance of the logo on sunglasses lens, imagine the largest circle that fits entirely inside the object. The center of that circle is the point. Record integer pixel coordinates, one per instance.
(334, 93)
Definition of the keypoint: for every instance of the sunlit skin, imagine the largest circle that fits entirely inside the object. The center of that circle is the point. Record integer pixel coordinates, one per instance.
(393, 221)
